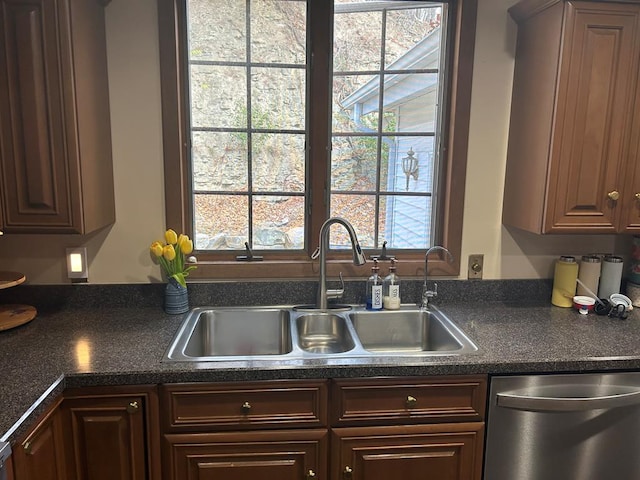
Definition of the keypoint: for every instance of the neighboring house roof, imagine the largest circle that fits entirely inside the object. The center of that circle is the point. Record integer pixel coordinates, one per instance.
(398, 88)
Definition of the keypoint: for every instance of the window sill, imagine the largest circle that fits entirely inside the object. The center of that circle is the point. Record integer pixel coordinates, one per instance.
(308, 269)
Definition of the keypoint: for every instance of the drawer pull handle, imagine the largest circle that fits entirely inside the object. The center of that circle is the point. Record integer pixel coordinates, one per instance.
(246, 407)
(133, 407)
(310, 474)
(411, 401)
(347, 473)
(28, 447)
(614, 195)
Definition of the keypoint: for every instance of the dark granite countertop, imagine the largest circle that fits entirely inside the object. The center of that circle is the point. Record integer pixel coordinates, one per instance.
(93, 345)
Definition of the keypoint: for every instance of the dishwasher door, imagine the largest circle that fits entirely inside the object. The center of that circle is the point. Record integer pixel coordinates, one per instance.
(564, 427)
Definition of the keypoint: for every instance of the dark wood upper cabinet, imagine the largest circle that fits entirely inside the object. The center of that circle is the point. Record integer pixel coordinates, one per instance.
(55, 136)
(575, 118)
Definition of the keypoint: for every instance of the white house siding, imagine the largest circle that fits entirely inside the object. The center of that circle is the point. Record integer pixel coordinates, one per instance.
(408, 219)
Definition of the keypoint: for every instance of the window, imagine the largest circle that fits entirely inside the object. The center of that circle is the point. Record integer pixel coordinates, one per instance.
(280, 113)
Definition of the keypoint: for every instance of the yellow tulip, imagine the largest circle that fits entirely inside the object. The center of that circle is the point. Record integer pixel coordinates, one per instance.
(156, 249)
(186, 247)
(181, 238)
(171, 237)
(168, 252)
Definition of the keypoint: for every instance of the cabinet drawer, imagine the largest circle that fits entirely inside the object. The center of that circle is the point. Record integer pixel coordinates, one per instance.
(240, 406)
(382, 401)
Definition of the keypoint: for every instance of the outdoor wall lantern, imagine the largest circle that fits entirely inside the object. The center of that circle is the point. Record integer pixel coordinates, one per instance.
(410, 166)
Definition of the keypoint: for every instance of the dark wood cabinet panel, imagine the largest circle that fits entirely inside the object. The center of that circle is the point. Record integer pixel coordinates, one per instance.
(243, 406)
(413, 452)
(40, 454)
(56, 167)
(572, 117)
(387, 401)
(112, 434)
(282, 455)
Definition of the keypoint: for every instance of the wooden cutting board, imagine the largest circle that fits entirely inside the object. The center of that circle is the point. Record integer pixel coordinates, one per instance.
(13, 315)
(11, 279)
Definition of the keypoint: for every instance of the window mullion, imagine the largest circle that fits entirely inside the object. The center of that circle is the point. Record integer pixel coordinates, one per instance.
(249, 127)
(319, 107)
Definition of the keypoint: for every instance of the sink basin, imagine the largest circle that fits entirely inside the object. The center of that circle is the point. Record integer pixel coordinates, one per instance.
(408, 331)
(324, 333)
(279, 333)
(233, 333)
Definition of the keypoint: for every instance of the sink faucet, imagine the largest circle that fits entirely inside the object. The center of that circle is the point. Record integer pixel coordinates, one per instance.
(325, 294)
(426, 293)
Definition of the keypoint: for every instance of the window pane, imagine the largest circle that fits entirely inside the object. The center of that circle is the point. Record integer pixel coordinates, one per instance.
(278, 222)
(405, 221)
(355, 103)
(218, 96)
(277, 98)
(221, 222)
(219, 161)
(289, 45)
(278, 162)
(360, 210)
(409, 29)
(410, 167)
(357, 40)
(210, 22)
(414, 100)
(354, 164)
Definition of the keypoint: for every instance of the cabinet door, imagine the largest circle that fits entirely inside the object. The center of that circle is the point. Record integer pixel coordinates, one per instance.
(36, 178)
(107, 438)
(281, 455)
(414, 452)
(40, 456)
(630, 202)
(594, 110)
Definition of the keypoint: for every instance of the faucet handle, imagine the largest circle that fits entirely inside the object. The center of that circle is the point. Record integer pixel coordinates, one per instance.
(336, 292)
(316, 253)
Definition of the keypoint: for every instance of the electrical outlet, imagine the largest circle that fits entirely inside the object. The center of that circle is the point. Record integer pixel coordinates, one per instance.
(476, 265)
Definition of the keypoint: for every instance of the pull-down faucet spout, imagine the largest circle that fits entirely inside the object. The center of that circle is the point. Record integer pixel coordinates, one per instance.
(325, 294)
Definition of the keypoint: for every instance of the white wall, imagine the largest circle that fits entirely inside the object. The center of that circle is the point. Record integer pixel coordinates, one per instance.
(119, 254)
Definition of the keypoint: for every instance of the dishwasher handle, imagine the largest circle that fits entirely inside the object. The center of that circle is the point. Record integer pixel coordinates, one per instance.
(571, 404)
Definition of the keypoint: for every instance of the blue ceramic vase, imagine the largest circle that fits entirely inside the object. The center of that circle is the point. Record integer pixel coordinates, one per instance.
(176, 298)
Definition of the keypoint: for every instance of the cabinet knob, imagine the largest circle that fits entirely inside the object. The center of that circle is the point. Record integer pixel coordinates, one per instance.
(347, 473)
(310, 474)
(614, 195)
(246, 407)
(28, 447)
(133, 407)
(637, 195)
(411, 401)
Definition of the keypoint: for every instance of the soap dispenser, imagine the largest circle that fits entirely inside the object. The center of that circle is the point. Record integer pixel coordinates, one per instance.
(391, 289)
(374, 288)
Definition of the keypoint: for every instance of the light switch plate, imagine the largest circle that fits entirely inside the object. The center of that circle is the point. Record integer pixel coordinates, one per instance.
(476, 266)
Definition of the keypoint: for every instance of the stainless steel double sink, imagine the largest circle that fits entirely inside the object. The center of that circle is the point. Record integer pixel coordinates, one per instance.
(271, 333)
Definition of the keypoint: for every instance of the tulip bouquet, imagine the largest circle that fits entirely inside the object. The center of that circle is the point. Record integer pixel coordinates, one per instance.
(172, 256)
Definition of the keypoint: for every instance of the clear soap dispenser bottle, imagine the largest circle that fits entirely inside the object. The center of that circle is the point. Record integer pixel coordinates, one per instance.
(391, 289)
(374, 288)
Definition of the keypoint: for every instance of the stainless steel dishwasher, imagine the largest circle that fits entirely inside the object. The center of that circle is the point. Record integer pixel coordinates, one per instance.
(564, 427)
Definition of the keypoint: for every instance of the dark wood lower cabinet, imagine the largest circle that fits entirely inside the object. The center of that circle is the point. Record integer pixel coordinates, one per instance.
(112, 433)
(412, 452)
(281, 455)
(380, 429)
(40, 454)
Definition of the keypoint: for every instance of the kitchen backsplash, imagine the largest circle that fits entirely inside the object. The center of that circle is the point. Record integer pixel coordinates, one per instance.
(56, 297)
